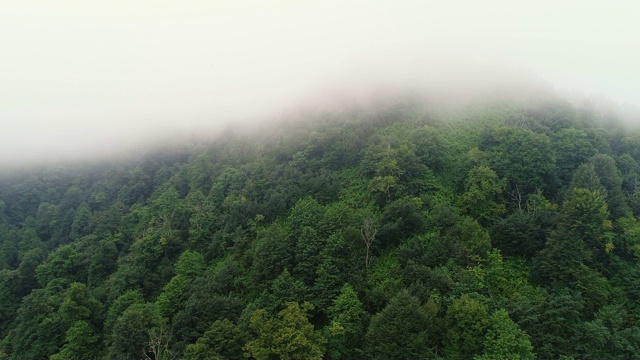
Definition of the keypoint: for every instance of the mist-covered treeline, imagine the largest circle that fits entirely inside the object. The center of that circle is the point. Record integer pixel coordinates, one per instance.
(403, 231)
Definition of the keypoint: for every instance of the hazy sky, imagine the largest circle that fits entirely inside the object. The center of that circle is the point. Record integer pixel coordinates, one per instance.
(80, 76)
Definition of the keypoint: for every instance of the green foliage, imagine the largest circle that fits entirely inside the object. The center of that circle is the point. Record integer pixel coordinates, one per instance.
(467, 320)
(102, 261)
(482, 196)
(472, 237)
(572, 148)
(608, 335)
(172, 297)
(190, 264)
(81, 223)
(416, 230)
(285, 289)
(523, 233)
(306, 213)
(583, 238)
(387, 171)
(347, 310)
(585, 177)
(35, 333)
(203, 220)
(200, 351)
(347, 317)
(340, 262)
(611, 179)
(629, 239)
(224, 340)
(401, 218)
(118, 306)
(307, 258)
(399, 331)
(289, 336)
(206, 303)
(431, 147)
(559, 320)
(501, 279)
(174, 294)
(521, 156)
(61, 264)
(81, 343)
(272, 253)
(78, 304)
(132, 330)
(9, 301)
(505, 340)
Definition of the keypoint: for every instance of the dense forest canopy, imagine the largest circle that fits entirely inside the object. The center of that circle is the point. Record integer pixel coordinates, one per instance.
(502, 230)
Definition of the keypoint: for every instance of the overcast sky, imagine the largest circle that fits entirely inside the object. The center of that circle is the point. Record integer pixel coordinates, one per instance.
(78, 76)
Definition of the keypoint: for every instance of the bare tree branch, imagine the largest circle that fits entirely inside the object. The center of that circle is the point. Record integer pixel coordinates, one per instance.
(369, 232)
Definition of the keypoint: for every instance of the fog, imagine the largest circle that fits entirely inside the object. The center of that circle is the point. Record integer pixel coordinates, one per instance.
(82, 78)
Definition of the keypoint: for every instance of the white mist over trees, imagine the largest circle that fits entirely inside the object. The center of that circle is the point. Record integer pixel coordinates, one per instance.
(80, 79)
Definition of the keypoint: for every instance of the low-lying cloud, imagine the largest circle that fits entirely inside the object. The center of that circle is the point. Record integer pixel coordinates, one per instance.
(82, 78)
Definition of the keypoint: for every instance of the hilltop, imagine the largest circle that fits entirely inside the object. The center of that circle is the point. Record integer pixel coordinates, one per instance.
(398, 230)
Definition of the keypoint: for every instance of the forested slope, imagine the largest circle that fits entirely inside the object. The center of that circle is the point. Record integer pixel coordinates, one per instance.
(502, 231)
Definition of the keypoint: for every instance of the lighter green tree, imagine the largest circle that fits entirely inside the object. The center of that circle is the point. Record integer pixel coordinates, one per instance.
(483, 190)
(289, 336)
(224, 340)
(467, 320)
(505, 340)
(81, 343)
(347, 322)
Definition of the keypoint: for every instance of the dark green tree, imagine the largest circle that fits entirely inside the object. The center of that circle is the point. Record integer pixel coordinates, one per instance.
(224, 340)
(431, 147)
(611, 179)
(102, 261)
(572, 148)
(609, 335)
(521, 156)
(273, 252)
(307, 254)
(583, 237)
(81, 223)
(81, 343)
(132, 330)
(399, 331)
(523, 233)
(117, 307)
(36, 330)
(285, 289)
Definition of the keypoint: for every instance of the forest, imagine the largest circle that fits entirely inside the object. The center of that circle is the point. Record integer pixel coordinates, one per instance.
(398, 230)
